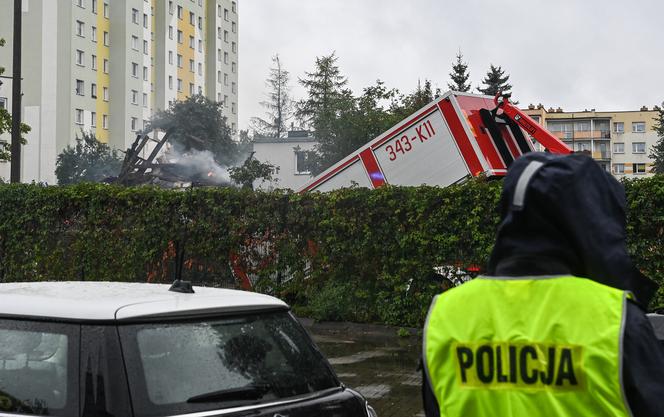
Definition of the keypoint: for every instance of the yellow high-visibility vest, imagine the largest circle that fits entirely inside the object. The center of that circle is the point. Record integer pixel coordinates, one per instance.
(531, 346)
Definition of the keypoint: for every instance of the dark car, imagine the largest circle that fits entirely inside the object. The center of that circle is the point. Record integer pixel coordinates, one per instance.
(113, 349)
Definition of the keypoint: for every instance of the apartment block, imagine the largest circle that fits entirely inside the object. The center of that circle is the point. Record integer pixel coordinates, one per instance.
(620, 141)
(106, 66)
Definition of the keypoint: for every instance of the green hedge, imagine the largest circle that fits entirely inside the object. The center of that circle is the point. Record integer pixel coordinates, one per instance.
(352, 254)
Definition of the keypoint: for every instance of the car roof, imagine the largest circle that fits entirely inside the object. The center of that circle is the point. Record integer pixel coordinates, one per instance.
(122, 301)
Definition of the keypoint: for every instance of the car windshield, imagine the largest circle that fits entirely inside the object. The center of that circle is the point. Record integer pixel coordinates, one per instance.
(177, 367)
(38, 368)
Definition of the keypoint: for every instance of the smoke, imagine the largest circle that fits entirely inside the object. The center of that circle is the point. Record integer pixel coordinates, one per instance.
(194, 166)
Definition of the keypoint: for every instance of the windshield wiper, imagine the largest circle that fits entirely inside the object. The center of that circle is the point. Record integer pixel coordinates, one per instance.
(248, 392)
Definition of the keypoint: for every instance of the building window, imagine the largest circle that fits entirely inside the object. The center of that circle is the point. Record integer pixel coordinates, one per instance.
(179, 85)
(93, 90)
(79, 57)
(192, 42)
(3, 102)
(134, 122)
(618, 147)
(104, 121)
(179, 61)
(145, 73)
(79, 3)
(225, 79)
(145, 20)
(94, 62)
(191, 89)
(200, 69)
(170, 82)
(219, 10)
(80, 28)
(200, 45)
(233, 7)
(233, 87)
(225, 101)
(219, 55)
(145, 99)
(301, 162)
(200, 22)
(134, 16)
(218, 32)
(134, 97)
(219, 77)
(106, 10)
(234, 47)
(94, 6)
(170, 7)
(134, 43)
(233, 107)
(105, 66)
(145, 47)
(200, 90)
(639, 168)
(639, 147)
(180, 12)
(233, 67)
(170, 57)
(78, 118)
(192, 66)
(93, 119)
(180, 36)
(134, 70)
(225, 57)
(107, 39)
(93, 34)
(638, 127)
(233, 27)
(80, 88)
(618, 168)
(225, 36)
(619, 127)
(192, 19)
(170, 32)
(226, 15)
(218, 97)
(105, 93)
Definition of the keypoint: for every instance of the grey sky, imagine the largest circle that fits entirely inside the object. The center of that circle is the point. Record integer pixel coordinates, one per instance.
(607, 55)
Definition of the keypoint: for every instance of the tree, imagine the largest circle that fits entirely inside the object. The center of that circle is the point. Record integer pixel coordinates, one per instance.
(279, 105)
(325, 95)
(6, 126)
(495, 81)
(417, 99)
(657, 151)
(87, 161)
(459, 75)
(197, 123)
(251, 170)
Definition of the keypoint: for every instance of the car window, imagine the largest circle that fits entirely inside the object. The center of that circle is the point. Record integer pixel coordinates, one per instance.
(38, 368)
(210, 364)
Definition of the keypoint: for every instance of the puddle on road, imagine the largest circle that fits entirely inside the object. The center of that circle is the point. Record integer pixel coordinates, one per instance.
(383, 369)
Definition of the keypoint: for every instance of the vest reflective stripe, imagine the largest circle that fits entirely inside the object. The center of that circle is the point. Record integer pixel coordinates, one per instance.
(527, 347)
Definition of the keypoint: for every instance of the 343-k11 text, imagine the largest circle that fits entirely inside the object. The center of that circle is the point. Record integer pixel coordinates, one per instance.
(404, 144)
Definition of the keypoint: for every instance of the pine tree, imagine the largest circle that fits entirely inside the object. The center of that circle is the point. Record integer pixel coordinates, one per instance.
(657, 151)
(495, 81)
(279, 106)
(325, 91)
(459, 75)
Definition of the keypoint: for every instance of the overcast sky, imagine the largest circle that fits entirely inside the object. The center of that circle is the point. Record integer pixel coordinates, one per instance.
(576, 54)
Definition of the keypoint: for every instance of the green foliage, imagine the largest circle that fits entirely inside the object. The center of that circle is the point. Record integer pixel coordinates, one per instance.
(197, 123)
(353, 254)
(6, 125)
(403, 332)
(657, 151)
(459, 75)
(252, 170)
(87, 161)
(495, 81)
(279, 106)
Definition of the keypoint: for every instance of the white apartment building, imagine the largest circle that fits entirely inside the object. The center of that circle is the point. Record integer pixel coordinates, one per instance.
(106, 66)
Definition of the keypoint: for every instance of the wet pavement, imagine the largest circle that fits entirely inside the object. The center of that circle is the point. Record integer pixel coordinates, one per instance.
(379, 364)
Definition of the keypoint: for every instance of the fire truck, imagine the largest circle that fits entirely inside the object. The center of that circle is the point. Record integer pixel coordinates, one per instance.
(457, 136)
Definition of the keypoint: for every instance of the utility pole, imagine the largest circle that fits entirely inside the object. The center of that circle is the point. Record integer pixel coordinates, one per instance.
(15, 174)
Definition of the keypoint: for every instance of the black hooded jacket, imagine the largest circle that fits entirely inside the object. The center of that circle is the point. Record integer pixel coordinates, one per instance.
(564, 215)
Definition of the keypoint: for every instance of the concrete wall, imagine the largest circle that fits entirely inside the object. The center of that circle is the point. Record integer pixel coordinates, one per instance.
(282, 154)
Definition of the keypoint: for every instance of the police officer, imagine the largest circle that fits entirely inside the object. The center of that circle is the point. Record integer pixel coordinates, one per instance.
(556, 328)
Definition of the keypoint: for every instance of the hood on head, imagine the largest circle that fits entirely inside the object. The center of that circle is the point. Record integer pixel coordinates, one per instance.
(568, 211)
